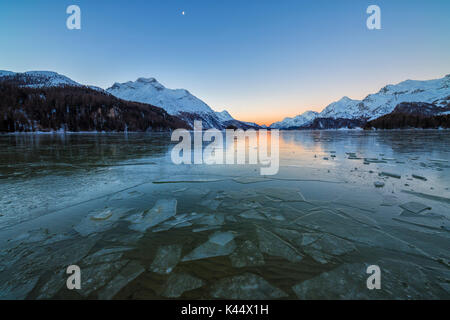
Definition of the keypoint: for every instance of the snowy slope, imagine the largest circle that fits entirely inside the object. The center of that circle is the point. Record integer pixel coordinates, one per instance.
(345, 108)
(149, 90)
(383, 102)
(224, 116)
(297, 121)
(37, 79)
(431, 91)
(178, 102)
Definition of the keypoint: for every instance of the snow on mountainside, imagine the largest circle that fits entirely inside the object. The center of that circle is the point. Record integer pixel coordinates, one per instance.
(224, 116)
(430, 91)
(297, 121)
(178, 102)
(383, 102)
(345, 108)
(38, 79)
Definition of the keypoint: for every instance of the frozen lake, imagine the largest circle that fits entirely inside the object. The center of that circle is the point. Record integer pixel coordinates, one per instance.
(141, 227)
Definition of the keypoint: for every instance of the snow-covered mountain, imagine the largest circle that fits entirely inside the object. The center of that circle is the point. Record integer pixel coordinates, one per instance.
(295, 122)
(37, 79)
(345, 108)
(383, 102)
(177, 102)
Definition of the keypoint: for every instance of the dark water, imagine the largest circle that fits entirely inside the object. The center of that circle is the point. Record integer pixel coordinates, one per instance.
(141, 227)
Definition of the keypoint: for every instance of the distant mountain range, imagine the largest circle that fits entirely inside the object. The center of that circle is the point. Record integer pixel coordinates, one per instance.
(407, 100)
(353, 113)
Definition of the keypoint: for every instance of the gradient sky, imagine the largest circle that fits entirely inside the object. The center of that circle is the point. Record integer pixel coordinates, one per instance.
(261, 60)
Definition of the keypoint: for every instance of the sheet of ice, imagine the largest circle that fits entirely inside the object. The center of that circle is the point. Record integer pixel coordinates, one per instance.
(390, 174)
(162, 211)
(415, 207)
(247, 255)
(248, 180)
(273, 245)
(127, 274)
(221, 238)
(211, 204)
(106, 255)
(96, 276)
(99, 221)
(167, 257)
(211, 249)
(247, 286)
(252, 214)
(348, 282)
(284, 194)
(179, 283)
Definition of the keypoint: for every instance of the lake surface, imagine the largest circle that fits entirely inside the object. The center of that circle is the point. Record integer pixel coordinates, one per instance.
(141, 227)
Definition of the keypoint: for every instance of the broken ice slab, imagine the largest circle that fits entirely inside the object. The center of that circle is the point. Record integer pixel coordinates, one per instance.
(221, 238)
(179, 283)
(429, 221)
(188, 179)
(271, 214)
(379, 184)
(245, 287)
(271, 244)
(419, 177)
(345, 282)
(219, 244)
(374, 160)
(179, 221)
(217, 219)
(99, 221)
(252, 214)
(167, 257)
(211, 204)
(208, 228)
(96, 276)
(162, 211)
(127, 274)
(390, 174)
(427, 196)
(105, 255)
(349, 282)
(248, 180)
(283, 194)
(439, 160)
(351, 229)
(321, 247)
(415, 207)
(246, 255)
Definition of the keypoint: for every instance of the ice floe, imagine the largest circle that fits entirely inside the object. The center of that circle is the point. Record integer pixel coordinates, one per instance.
(166, 258)
(162, 211)
(126, 275)
(247, 286)
(247, 255)
(219, 244)
(179, 283)
(271, 244)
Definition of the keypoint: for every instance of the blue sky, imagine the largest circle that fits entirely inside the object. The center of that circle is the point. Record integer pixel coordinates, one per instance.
(261, 60)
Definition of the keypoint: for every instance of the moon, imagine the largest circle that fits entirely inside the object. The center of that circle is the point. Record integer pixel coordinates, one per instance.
(183, 13)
